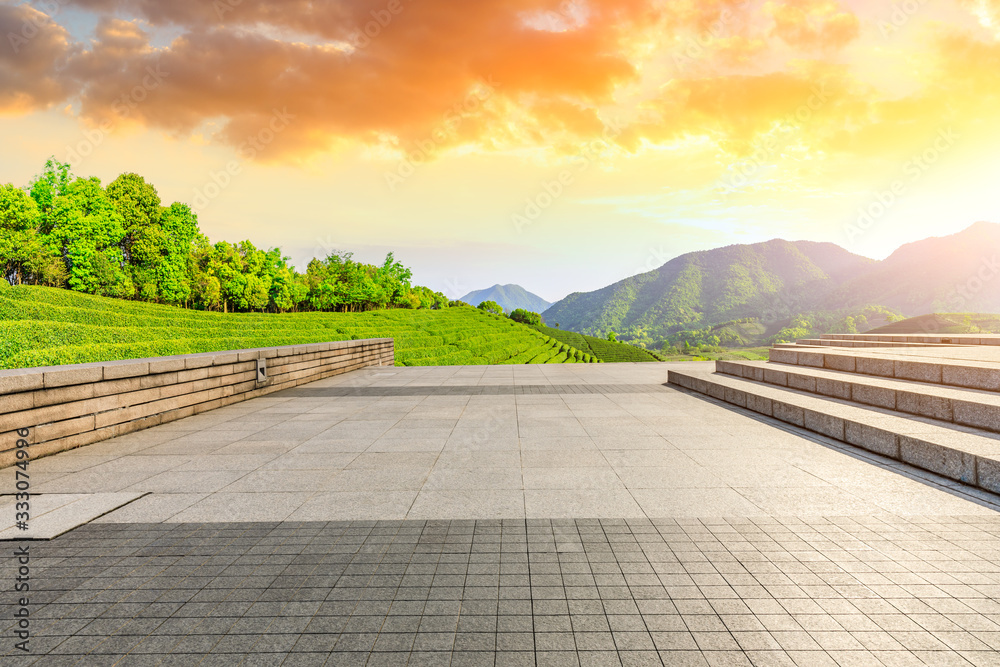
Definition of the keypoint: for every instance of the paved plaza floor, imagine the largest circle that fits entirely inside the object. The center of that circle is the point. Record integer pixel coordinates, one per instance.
(507, 515)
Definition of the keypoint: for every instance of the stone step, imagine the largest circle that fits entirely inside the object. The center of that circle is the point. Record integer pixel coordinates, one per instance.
(825, 342)
(969, 373)
(942, 339)
(962, 454)
(967, 407)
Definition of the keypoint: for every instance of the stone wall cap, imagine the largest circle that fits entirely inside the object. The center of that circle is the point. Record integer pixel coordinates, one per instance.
(25, 379)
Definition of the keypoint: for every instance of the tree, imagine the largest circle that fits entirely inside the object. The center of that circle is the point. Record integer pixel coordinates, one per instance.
(87, 232)
(287, 291)
(47, 187)
(177, 230)
(491, 307)
(226, 265)
(525, 317)
(612, 336)
(138, 204)
(121, 241)
(23, 255)
(255, 293)
(395, 278)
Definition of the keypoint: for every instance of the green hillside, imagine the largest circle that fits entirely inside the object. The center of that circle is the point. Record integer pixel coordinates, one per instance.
(771, 281)
(749, 295)
(42, 326)
(604, 350)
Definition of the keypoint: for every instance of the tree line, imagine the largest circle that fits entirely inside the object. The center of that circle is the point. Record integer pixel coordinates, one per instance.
(121, 241)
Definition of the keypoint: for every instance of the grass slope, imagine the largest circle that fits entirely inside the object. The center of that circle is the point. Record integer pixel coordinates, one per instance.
(41, 326)
(602, 349)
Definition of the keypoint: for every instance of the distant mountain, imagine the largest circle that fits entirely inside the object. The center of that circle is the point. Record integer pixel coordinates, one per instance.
(943, 323)
(957, 273)
(771, 281)
(779, 280)
(510, 297)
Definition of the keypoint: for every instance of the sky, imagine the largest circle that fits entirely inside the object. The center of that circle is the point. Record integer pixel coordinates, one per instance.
(558, 144)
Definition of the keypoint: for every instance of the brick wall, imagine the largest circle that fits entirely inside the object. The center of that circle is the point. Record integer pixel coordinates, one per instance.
(70, 406)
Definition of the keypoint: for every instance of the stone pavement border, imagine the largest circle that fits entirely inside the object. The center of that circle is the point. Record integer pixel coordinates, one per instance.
(764, 591)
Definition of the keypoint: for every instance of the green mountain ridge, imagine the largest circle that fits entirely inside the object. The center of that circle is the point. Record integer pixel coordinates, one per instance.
(775, 282)
(712, 286)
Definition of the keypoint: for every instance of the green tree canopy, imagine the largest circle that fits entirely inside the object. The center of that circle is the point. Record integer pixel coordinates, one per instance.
(121, 241)
(491, 307)
(526, 317)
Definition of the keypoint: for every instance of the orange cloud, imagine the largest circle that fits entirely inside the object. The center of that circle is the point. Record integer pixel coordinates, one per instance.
(410, 68)
(294, 78)
(32, 49)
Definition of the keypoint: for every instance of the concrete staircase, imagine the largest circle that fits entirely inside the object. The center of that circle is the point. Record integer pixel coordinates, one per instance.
(931, 404)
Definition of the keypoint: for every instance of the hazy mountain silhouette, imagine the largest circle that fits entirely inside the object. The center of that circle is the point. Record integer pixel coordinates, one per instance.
(510, 297)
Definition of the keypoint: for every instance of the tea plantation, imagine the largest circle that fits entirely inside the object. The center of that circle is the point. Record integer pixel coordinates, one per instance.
(605, 350)
(42, 326)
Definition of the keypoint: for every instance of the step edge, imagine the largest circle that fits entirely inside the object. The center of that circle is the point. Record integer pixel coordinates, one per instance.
(975, 470)
(962, 411)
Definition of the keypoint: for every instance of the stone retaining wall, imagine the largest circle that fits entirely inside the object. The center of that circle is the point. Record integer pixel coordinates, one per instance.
(65, 407)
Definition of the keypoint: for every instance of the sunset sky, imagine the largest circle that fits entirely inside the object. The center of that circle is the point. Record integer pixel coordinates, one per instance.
(557, 144)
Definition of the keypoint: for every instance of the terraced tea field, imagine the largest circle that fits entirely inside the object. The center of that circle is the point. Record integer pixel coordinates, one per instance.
(604, 350)
(41, 326)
